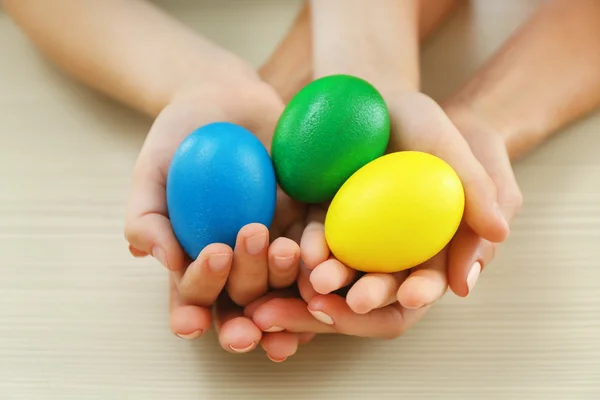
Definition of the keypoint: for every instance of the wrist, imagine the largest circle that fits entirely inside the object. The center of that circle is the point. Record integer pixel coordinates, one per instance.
(388, 81)
(378, 44)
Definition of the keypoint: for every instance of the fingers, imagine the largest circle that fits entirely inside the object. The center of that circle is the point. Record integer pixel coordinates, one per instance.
(425, 284)
(237, 334)
(137, 253)
(374, 291)
(280, 345)
(332, 310)
(277, 344)
(498, 166)
(306, 337)
(147, 228)
(331, 314)
(330, 276)
(305, 287)
(249, 275)
(205, 278)
(152, 234)
(256, 304)
(427, 128)
(289, 314)
(186, 321)
(313, 245)
(470, 253)
(284, 262)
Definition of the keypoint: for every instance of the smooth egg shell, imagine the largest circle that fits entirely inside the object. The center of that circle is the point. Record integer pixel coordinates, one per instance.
(220, 178)
(330, 128)
(395, 212)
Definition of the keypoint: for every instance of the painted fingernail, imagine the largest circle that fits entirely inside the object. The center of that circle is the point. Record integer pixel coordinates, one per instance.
(284, 262)
(159, 254)
(473, 275)
(244, 350)
(190, 336)
(219, 262)
(277, 360)
(322, 317)
(275, 328)
(255, 244)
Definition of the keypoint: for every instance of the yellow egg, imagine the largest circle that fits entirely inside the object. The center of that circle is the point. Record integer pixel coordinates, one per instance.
(395, 212)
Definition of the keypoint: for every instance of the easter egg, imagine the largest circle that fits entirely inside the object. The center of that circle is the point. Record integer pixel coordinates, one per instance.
(220, 179)
(395, 212)
(330, 128)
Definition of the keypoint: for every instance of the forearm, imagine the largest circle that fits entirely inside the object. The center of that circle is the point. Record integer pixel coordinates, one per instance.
(290, 67)
(377, 43)
(546, 76)
(129, 50)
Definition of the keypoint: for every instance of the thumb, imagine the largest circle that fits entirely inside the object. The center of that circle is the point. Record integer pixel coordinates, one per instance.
(147, 226)
(424, 126)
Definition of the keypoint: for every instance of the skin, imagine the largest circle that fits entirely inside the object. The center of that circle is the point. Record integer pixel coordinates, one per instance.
(177, 95)
(389, 59)
(121, 63)
(560, 40)
(126, 50)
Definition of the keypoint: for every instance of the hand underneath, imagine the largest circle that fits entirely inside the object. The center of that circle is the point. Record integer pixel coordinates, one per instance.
(254, 265)
(385, 305)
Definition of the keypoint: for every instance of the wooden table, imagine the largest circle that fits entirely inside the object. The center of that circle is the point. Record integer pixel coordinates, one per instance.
(80, 319)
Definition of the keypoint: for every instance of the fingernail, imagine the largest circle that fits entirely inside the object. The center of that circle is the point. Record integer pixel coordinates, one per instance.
(284, 262)
(159, 254)
(473, 275)
(255, 244)
(190, 336)
(219, 262)
(277, 360)
(244, 350)
(322, 317)
(275, 328)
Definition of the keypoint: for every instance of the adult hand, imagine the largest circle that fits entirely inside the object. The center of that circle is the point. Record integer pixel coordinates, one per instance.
(385, 305)
(469, 252)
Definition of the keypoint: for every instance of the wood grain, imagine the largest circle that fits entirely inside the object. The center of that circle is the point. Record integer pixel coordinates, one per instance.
(80, 319)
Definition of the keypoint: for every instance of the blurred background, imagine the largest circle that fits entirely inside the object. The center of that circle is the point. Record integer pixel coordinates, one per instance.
(81, 319)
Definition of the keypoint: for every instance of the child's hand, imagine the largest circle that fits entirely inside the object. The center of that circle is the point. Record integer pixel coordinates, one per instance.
(419, 124)
(246, 271)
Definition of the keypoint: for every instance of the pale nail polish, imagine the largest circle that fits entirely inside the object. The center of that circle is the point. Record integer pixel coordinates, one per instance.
(255, 244)
(219, 262)
(160, 256)
(284, 262)
(190, 336)
(244, 350)
(277, 360)
(473, 275)
(322, 317)
(275, 328)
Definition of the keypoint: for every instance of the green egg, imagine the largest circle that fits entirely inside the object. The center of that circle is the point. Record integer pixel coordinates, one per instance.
(330, 129)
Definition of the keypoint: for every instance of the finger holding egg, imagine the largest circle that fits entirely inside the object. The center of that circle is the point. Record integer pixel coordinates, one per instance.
(387, 214)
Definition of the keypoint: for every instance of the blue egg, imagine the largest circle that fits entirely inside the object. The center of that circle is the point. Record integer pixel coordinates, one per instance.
(221, 178)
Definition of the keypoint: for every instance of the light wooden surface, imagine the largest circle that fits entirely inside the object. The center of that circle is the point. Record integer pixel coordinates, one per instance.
(80, 319)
